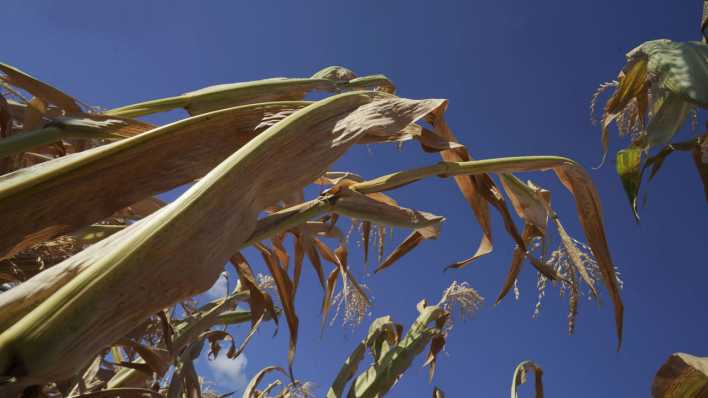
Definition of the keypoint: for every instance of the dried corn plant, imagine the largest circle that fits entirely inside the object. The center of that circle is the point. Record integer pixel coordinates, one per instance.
(99, 277)
(663, 85)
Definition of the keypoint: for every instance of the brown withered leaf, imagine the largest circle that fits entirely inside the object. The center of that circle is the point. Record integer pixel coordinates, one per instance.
(587, 202)
(437, 343)
(408, 244)
(157, 360)
(259, 301)
(478, 190)
(521, 375)
(215, 337)
(285, 291)
(250, 390)
(327, 298)
(34, 114)
(517, 260)
(39, 89)
(365, 235)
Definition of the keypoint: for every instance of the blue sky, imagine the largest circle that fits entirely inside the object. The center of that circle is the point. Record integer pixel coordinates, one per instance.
(518, 75)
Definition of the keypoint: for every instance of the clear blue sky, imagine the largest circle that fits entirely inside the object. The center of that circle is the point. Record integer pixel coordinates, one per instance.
(518, 75)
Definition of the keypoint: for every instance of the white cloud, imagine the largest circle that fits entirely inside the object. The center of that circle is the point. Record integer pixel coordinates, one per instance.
(229, 374)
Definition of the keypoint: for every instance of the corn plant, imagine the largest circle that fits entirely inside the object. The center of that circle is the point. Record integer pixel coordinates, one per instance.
(662, 85)
(99, 276)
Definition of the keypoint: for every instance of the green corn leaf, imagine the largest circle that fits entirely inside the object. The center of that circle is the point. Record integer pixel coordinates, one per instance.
(629, 170)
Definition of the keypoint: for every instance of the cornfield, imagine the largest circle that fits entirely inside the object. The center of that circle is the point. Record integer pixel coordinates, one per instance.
(99, 274)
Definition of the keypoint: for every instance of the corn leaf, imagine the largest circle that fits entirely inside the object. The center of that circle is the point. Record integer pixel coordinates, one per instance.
(681, 376)
(275, 89)
(520, 376)
(629, 170)
(39, 89)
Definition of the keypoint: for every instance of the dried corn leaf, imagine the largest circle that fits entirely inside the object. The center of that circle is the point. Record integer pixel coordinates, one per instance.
(327, 298)
(681, 376)
(520, 377)
(39, 89)
(516, 261)
(259, 301)
(479, 190)
(250, 391)
(33, 118)
(409, 243)
(528, 200)
(470, 189)
(156, 360)
(573, 177)
(284, 287)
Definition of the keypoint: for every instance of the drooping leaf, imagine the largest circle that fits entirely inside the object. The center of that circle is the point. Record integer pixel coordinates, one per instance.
(574, 178)
(284, 287)
(250, 390)
(520, 376)
(667, 120)
(259, 301)
(408, 244)
(516, 262)
(629, 170)
(39, 89)
(528, 200)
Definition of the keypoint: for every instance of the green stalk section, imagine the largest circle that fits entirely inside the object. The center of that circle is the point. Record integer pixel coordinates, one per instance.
(446, 169)
(275, 89)
(148, 107)
(227, 95)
